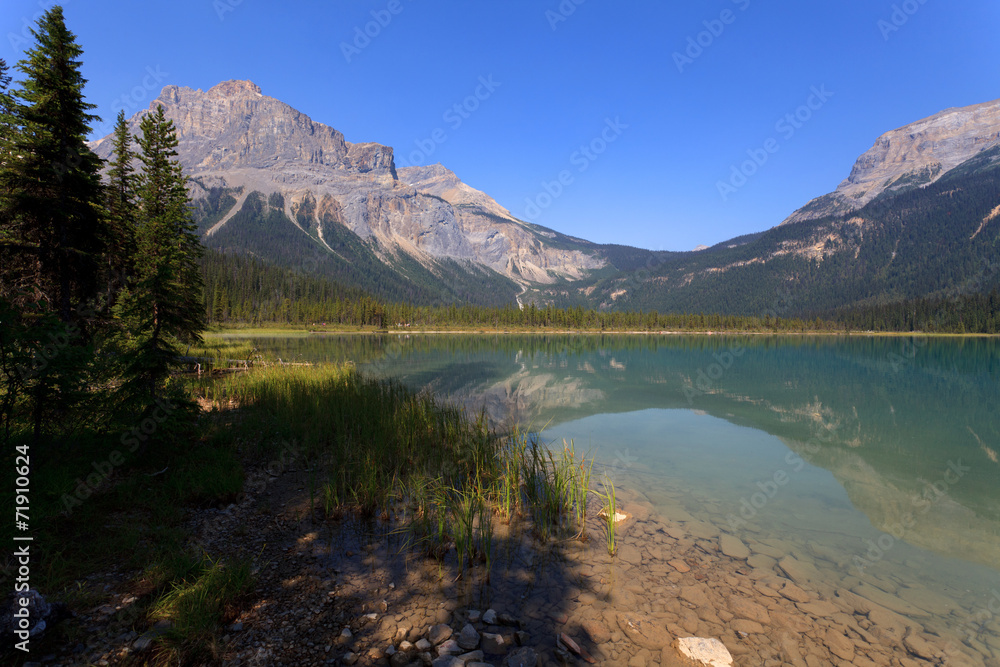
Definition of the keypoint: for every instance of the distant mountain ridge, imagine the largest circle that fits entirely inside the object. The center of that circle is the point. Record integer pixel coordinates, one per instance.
(919, 216)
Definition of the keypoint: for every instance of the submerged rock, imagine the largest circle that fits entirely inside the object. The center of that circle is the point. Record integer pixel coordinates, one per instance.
(468, 638)
(733, 547)
(700, 651)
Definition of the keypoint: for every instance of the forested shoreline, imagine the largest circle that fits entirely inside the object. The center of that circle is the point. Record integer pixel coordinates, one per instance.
(244, 291)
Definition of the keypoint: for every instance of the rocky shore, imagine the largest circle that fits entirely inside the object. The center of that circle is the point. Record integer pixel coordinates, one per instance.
(358, 594)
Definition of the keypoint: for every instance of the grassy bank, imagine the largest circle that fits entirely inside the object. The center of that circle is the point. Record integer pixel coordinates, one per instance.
(113, 518)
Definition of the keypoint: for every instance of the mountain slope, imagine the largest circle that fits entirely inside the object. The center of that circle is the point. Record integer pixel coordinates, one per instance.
(942, 239)
(911, 156)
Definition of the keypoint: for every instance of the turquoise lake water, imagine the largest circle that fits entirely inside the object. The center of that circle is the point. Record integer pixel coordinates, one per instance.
(876, 457)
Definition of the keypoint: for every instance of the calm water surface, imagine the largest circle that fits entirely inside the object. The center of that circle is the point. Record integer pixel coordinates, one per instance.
(874, 458)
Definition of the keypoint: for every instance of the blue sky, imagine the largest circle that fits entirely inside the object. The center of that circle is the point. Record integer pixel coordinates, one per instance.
(611, 121)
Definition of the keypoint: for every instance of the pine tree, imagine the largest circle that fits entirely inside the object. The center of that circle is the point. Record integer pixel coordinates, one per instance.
(53, 229)
(164, 308)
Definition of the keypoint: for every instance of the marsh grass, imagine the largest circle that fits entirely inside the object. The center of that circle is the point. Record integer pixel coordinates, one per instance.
(384, 451)
(609, 512)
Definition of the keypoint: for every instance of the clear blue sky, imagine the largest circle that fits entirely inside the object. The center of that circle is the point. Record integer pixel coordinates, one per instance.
(560, 82)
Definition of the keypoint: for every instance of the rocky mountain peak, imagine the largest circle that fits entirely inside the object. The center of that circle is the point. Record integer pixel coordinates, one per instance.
(235, 137)
(236, 88)
(235, 126)
(911, 156)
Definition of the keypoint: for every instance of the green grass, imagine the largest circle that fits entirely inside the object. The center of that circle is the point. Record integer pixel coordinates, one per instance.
(372, 448)
(197, 606)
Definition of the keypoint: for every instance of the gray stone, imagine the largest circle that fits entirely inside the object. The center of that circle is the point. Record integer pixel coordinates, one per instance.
(468, 638)
(424, 645)
(449, 647)
(439, 633)
(494, 643)
(490, 617)
(349, 658)
(399, 659)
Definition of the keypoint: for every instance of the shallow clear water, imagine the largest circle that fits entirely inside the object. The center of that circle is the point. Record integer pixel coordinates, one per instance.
(874, 458)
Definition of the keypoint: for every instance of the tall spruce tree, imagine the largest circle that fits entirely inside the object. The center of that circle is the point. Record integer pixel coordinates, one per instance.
(54, 229)
(164, 307)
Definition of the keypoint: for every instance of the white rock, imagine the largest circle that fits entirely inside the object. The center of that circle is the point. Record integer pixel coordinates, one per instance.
(619, 517)
(701, 651)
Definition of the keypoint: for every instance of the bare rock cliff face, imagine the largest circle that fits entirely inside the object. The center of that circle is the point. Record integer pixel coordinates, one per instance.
(234, 136)
(914, 155)
(501, 242)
